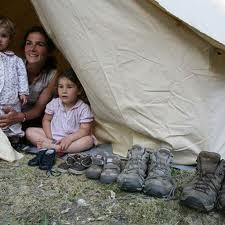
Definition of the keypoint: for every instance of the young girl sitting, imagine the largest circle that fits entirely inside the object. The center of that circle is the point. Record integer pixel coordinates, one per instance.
(13, 79)
(67, 123)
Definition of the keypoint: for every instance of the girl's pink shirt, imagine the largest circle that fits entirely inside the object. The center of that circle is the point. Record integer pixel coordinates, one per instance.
(67, 122)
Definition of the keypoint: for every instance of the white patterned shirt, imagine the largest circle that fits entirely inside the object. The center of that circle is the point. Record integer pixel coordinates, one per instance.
(13, 78)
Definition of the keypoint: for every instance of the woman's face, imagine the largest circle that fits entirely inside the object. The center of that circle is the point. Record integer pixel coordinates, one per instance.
(36, 50)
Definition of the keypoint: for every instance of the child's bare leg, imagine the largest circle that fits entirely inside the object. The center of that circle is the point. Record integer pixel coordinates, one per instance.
(81, 144)
(37, 137)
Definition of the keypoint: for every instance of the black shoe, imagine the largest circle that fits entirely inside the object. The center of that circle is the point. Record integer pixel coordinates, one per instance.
(18, 144)
(37, 159)
(47, 160)
(22, 148)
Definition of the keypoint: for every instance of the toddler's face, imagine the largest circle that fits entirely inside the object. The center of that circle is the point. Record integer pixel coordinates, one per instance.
(68, 91)
(4, 39)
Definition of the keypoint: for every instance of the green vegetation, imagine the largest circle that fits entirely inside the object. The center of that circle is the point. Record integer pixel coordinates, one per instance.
(29, 197)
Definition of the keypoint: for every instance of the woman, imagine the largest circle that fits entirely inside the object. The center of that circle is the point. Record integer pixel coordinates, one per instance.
(41, 70)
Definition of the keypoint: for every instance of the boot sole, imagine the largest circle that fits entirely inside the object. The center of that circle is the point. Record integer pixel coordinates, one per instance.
(129, 185)
(62, 170)
(192, 203)
(94, 176)
(76, 172)
(107, 179)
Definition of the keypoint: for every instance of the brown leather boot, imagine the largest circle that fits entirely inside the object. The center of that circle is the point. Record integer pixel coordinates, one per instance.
(221, 195)
(202, 192)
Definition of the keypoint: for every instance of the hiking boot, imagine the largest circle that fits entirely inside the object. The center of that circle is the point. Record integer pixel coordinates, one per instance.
(221, 194)
(133, 176)
(159, 182)
(95, 170)
(201, 193)
(111, 170)
(80, 164)
(47, 160)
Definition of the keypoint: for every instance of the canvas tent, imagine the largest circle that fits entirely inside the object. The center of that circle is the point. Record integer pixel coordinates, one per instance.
(152, 72)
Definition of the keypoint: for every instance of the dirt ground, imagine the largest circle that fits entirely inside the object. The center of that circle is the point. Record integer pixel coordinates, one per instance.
(29, 197)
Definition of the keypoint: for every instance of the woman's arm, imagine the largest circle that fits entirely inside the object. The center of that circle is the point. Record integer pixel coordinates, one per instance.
(44, 98)
(12, 117)
(46, 125)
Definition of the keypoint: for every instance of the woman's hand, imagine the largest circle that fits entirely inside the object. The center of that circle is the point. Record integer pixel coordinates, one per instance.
(23, 99)
(65, 142)
(10, 117)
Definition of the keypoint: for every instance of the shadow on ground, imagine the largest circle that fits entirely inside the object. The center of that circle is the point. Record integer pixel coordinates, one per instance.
(29, 197)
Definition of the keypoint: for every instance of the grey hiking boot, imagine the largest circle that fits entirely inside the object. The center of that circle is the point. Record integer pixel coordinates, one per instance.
(159, 182)
(202, 192)
(221, 195)
(111, 170)
(95, 170)
(133, 176)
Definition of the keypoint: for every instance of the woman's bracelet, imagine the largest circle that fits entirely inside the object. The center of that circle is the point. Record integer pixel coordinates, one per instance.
(24, 117)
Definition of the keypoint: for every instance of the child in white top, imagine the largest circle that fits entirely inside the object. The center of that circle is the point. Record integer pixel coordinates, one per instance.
(67, 123)
(13, 77)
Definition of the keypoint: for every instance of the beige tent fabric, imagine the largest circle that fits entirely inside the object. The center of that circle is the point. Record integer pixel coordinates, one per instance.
(203, 16)
(148, 77)
(6, 151)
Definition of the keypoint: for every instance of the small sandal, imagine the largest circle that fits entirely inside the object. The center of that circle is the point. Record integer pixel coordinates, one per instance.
(80, 164)
(63, 167)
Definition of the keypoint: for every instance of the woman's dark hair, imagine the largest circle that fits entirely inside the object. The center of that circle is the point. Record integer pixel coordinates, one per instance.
(51, 60)
(71, 75)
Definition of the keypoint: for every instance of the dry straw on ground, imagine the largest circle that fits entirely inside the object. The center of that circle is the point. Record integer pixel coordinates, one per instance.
(29, 197)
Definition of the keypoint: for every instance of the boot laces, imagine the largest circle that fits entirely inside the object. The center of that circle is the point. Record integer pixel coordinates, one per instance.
(163, 166)
(206, 182)
(134, 163)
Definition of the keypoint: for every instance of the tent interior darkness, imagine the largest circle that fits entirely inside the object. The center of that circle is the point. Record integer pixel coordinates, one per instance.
(22, 13)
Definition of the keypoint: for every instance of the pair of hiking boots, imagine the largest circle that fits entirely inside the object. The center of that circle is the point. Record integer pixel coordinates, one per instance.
(207, 190)
(148, 171)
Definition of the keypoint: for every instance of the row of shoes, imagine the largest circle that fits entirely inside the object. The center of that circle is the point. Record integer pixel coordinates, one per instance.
(148, 171)
(144, 170)
(207, 189)
(106, 169)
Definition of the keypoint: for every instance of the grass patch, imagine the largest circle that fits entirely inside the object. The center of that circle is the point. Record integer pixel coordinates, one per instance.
(29, 197)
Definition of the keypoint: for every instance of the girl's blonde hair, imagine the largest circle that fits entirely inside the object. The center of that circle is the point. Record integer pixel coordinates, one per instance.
(8, 25)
